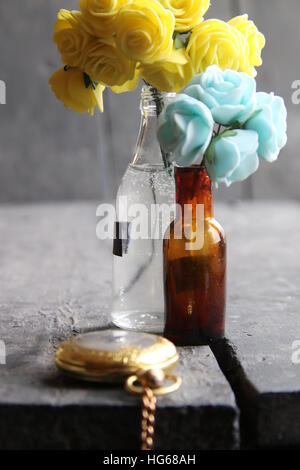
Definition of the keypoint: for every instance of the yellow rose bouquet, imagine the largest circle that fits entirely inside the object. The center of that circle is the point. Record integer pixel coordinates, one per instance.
(115, 43)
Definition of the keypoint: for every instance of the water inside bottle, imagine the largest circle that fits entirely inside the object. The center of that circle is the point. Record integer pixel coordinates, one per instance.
(138, 300)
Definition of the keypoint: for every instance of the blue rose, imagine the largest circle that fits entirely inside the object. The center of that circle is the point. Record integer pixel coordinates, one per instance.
(185, 129)
(230, 95)
(270, 123)
(232, 156)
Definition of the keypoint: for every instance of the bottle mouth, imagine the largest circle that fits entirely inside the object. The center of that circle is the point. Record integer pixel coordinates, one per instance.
(191, 173)
(149, 91)
(194, 167)
(153, 100)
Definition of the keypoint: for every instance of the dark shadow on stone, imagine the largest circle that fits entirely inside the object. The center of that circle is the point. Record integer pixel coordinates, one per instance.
(69, 427)
(60, 381)
(245, 393)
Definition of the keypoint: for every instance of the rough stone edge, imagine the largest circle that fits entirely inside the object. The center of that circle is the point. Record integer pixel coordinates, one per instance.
(278, 423)
(263, 416)
(91, 427)
(245, 393)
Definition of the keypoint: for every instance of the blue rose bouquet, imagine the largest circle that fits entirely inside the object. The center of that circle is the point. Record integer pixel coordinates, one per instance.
(220, 120)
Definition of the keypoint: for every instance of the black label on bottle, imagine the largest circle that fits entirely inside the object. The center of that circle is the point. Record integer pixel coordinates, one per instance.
(121, 238)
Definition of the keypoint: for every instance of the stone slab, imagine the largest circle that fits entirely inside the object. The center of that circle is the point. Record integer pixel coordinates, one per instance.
(263, 320)
(55, 281)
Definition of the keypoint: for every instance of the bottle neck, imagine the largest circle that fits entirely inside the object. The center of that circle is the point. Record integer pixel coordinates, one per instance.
(193, 186)
(147, 151)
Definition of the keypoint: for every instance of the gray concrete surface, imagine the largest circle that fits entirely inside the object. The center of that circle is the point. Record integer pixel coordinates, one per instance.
(55, 281)
(263, 320)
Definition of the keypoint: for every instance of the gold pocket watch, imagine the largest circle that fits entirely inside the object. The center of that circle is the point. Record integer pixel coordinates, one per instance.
(143, 361)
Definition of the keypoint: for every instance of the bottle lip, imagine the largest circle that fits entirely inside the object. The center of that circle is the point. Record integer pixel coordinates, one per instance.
(149, 91)
(182, 172)
(193, 167)
(152, 100)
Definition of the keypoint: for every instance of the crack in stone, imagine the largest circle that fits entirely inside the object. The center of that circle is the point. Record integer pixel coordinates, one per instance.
(245, 392)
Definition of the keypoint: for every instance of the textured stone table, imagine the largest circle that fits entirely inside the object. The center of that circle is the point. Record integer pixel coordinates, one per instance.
(264, 320)
(54, 282)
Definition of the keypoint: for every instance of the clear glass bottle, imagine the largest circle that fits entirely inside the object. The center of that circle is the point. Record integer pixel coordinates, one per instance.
(138, 299)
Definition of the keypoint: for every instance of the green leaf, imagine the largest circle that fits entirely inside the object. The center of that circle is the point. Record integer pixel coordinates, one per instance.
(87, 80)
(210, 150)
(239, 125)
(146, 83)
(187, 38)
(236, 125)
(256, 113)
(228, 133)
(208, 159)
(178, 42)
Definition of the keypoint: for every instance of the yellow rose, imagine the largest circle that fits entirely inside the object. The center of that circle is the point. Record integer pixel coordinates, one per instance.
(100, 15)
(105, 64)
(130, 85)
(188, 13)
(144, 31)
(216, 42)
(70, 37)
(171, 74)
(255, 42)
(69, 87)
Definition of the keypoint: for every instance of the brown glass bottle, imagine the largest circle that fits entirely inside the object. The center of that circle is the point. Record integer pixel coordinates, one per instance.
(194, 279)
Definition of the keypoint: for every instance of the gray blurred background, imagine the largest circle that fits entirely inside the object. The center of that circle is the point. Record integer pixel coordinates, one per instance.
(50, 153)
